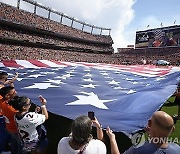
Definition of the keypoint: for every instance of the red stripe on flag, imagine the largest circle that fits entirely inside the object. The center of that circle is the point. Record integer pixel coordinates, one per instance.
(38, 63)
(11, 63)
(59, 63)
(163, 72)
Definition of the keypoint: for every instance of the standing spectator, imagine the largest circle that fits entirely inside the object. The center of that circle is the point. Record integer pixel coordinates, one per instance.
(4, 79)
(177, 101)
(159, 128)
(4, 137)
(113, 143)
(28, 122)
(8, 93)
(81, 141)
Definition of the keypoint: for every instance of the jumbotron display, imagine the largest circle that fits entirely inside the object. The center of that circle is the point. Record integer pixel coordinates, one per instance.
(159, 37)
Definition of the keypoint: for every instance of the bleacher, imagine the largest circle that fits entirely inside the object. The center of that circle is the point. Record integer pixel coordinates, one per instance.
(19, 27)
(24, 35)
(134, 56)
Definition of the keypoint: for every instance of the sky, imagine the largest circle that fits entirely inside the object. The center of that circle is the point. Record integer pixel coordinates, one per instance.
(124, 17)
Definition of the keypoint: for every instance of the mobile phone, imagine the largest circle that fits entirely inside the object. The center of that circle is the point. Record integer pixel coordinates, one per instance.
(91, 115)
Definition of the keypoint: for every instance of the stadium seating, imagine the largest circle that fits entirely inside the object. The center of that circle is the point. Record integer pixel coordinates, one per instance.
(41, 38)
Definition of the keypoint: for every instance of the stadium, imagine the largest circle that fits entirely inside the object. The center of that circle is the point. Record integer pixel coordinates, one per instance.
(26, 37)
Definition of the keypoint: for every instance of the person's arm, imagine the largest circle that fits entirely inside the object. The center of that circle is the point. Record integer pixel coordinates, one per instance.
(112, 138)
(12, 80)
(99, 129)
(43, 106)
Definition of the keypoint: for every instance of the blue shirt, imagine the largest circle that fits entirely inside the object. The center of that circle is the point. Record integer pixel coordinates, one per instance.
(150, 148)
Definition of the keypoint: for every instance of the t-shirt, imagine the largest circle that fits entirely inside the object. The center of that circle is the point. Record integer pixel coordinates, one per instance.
(150, 148)
(93, 147)
(27, 125)
(8, 113)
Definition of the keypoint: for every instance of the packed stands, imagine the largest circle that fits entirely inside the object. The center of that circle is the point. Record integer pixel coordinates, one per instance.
(25, 35)
(23, 52)
(135, 56)
(21, 26)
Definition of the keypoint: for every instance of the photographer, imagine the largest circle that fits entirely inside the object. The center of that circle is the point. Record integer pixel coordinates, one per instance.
(81, 141)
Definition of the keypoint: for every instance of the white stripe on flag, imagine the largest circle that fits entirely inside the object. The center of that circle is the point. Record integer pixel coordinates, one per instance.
(1, 65)
(51, 64)
(25, 64)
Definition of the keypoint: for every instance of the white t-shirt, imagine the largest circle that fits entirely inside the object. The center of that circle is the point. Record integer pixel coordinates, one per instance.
(27, 126)
(94, 147)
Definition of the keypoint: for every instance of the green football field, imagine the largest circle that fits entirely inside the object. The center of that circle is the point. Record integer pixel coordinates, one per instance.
(172, 109)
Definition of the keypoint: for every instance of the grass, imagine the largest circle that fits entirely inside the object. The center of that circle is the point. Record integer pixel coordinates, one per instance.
(58, 127)
(172, 109)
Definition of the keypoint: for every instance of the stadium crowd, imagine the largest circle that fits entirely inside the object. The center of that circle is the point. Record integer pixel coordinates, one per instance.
(132, 57)
(13, 14)
(43, 45)
(20, 35)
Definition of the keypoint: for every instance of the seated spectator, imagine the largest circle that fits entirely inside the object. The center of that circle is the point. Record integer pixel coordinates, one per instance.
(159, 128)
(28, 122)
(8, 93)
(4, 79)
(81, 141)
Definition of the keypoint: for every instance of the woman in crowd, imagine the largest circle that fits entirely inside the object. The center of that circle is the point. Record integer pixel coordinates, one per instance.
(28, 123)
(80, 140)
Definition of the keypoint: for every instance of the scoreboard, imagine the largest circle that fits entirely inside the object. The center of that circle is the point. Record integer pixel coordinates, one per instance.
(159, 37)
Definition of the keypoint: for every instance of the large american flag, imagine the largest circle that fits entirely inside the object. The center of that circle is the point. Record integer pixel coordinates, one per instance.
(122, 97)
(159, 34)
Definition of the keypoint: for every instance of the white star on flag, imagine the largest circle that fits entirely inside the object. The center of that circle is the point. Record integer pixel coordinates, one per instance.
(55, 81)
(91, 99)
(35, 76)
(88, 74)
(131, 91)
(88, 80)
(113, 82)
(40, 86)
(89, 86)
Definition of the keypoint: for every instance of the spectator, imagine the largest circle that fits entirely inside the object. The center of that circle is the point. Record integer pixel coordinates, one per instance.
(99, 129)
(4, 79)
(177, 101)
(4, 137)
(81, 141)
(159, 128)
(113, 143)
(8, 93)
(28, 122)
